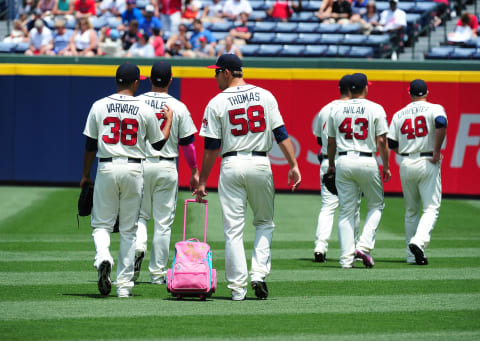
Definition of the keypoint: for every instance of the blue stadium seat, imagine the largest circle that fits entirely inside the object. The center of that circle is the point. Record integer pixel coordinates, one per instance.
(311, 5)
(328, 28)
(98, 22)
(292, 50)
(309, 38)
(314, 50)
(361, 52)
(474, 42)
(440, 52)
(257, 15)
(264, 26)
(220, 35)
(249, 50)
(462, 53)
(476, 55)
(262, 38)
(286, 27)
(337, 51)
(141, 4)
(350, 28)
(114, 22)
(307, 27)
(303, 16)
(222, 26)
(269, 50)
(406, 6)
(381, 6)
(424, 7)
(260, 5)
(285, 38)
(380, 43)
(71, 24)
(7, 47)
(331, 38)
(354, 39)
(21, 47)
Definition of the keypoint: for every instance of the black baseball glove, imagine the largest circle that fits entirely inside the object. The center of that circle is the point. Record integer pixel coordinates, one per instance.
(329, 181)
(85, 201)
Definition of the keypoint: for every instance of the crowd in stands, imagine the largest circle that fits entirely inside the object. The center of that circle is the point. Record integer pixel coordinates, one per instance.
(149, 28)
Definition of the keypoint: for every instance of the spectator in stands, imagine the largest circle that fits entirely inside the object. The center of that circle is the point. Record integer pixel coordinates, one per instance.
(443, 11)
(25, 10)
(281, 10)
(64, 8)
(170, 12)
(368, 20)
(325, 10)
(191, 10)
(84, 8)
(463, 32)
(359, 7)
(229, 48)
(142, 47)
(46, 6)
(341, 12)
(132, 13)
(111, 8)
(40, 39)
(150, 21)
(204, 50)
(37, 14)
(110, 44)
(241, 33)
(18, 34)
(198, 32)
(181, 37)
(212, 11)
(84, 40)
(392, 19)
(129, 37)
(157, 42)
(61, 39)
(473, 22)
(233, 8)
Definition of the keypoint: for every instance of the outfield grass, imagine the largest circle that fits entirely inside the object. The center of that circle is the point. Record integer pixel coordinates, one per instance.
(48, 285)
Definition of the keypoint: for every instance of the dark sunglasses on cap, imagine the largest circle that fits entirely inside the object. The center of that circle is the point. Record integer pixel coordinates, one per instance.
(217, 71)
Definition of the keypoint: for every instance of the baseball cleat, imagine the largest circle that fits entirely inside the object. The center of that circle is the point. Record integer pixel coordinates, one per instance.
(261, 290)
(420, 258)
(366, 258)
(138, 264)
(319, 257)
(104, 282)
(122, 293)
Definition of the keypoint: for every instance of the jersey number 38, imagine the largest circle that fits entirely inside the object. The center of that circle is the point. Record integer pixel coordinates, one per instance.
(124, 131)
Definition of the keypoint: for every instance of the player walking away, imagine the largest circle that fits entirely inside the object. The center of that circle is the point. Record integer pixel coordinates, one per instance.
(240, 123)
(329, 200)
(417, 133)
(161, 176)
(355, 130)
(117, 129)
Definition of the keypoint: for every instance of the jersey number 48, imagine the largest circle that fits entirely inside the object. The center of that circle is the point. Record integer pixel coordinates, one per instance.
(417, 129)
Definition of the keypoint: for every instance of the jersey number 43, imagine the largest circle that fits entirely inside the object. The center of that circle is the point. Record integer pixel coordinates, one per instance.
(124, 131)
(255, 121)
(346, 128)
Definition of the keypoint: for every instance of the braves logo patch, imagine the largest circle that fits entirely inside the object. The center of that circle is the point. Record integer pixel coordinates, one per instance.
(204, 123)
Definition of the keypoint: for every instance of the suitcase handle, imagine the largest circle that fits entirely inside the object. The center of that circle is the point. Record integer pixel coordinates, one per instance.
(185, 218)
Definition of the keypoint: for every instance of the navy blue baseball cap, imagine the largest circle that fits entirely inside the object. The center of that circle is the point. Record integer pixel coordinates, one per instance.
(345, 82)
(161, 74)
(418, 87)
(128, 73)
(227, 61)
(358, 81)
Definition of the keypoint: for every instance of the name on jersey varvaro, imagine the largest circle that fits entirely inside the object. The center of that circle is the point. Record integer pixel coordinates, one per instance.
(354, 110)
(242, 98)
(122, 108)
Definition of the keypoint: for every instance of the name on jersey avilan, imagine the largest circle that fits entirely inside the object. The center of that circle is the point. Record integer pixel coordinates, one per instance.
(353, 110)
(248, 97)
(412, 111)
(122, 108)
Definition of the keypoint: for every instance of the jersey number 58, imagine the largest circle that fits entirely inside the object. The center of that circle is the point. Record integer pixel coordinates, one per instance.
(255, 123)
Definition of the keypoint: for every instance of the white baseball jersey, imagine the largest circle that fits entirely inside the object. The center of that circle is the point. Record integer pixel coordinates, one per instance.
(243, 117)
(182, 123)
(320, 129)
(413, 127)
(356, 123)
(122, 124)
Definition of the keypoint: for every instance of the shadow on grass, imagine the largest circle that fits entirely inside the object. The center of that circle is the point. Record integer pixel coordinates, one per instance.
(330, 263)
(96, 296)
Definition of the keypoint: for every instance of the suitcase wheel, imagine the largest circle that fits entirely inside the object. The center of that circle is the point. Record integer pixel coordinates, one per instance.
(203, 297)
(179, 297)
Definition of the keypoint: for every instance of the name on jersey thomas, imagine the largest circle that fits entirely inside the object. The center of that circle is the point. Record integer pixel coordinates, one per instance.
(242, 98)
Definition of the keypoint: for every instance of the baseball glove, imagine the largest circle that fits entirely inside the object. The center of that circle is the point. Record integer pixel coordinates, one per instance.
(85, 200)
(329, 181)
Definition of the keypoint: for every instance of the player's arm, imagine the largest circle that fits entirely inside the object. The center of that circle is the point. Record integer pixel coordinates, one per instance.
(285, 144)
(331, 150)
(212, 146)
(392, 144)
(383, 150)
(167, 114)
(91, 147)
(188, 149)
(440, 132)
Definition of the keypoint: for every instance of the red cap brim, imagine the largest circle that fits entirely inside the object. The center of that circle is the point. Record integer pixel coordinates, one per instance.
(213, 67)
(142, 78)
(369, 83)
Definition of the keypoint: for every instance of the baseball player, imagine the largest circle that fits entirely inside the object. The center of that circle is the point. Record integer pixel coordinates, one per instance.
(416, 133)
(329, 200)
(239, 124)
(355, 130)
(161, 176)
(117, 129)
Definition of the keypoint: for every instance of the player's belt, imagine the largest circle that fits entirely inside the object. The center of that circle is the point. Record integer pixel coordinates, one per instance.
(109, 159)
(421, 154)
(254, 153)
(166, 158)
(360, 153)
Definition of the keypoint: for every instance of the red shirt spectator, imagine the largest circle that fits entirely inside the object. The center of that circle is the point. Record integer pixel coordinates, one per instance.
(170, 6)
(473, 22)
(281, 9)
(84, 7)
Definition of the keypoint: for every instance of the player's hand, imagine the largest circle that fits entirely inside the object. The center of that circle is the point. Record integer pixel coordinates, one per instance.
(85, 180)
(331, 169)
(200, 192)
(386, 174)
(437, 157)
(194, 179)
(294, 178)
(167, 112)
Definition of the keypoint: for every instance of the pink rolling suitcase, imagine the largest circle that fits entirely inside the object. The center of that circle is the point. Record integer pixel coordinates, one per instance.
(192, 273)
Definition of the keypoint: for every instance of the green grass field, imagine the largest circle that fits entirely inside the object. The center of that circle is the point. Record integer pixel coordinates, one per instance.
(48, 285)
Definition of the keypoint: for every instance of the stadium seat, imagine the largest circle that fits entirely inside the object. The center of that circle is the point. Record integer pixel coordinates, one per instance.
(303, 16)
(337, 51)
(328, 28)
(311, 5)
(405, 6)
(314, 50)
(141, 4)
(424, 7)
(474, 42)
(269, 50)
(309, 38)
(71, 24)
(354, 39)
(462, 53)
(476, 55)
(285, 38)
(220, 35)
(222, 26)
(361, 52)
(262, 38)
(264, 26)
(440, 52)
(350, 28)
(307, 27)
(257, 15)
(7, 47)
(98, 22)
(21, 47)
(331, 38)
(259, 5)
(381, 6)
(249, 50)
(285, 27)
(292, 50)
(114, 22)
